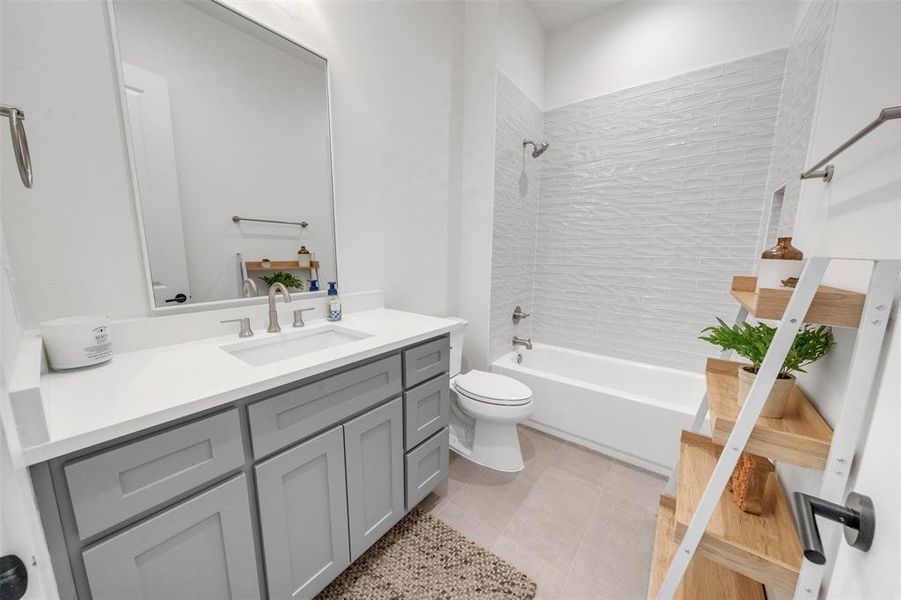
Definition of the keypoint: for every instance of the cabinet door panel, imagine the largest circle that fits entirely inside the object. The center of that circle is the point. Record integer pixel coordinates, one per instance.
(303, 516)
(200, 549)
(109, 487)
(427, 410)
(291, 416)
(374, 449)
(426, 360)
(426, 467)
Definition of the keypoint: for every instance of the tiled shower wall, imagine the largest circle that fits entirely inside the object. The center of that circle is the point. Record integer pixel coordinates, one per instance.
(803, 71)
(516, 185)
(651, 199)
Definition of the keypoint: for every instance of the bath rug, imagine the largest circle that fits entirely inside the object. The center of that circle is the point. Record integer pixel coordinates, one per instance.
(423, 558)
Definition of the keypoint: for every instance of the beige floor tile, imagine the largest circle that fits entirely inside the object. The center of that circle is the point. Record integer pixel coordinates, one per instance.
(493, 497)
(635, 485)
(549, 579)
(563, 496)
(545, 537)
(615, 557)
(538, 450)
(572, 590)
(468, 525)
(462, 469)
(433, 503)
(584, 463)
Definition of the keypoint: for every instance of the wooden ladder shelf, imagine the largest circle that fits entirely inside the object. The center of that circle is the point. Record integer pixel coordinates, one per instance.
(801, 437)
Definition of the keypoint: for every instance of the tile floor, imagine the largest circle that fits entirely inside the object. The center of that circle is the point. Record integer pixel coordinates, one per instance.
(578, 523)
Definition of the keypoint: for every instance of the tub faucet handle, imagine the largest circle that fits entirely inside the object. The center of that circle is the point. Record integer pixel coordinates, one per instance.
(518, 315)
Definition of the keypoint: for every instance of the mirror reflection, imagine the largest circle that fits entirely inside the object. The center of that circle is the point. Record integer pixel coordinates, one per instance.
(229, 136)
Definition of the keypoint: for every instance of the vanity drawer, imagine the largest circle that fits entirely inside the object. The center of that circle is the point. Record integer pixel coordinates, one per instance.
(424, 361)
(112, 486)
(426, 467)
(426, 410)
(289, 417)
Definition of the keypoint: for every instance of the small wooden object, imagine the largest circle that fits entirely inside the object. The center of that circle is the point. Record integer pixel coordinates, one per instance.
(748, 482)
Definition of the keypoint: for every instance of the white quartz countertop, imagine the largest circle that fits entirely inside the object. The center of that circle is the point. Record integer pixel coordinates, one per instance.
(145, 388)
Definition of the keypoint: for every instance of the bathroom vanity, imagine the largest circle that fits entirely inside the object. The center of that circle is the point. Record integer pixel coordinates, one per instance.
(269, 495)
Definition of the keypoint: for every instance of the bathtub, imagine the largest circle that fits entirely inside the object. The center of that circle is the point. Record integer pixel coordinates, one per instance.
(628, 410)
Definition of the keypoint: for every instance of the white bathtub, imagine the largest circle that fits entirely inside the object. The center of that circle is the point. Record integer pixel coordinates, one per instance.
(628, 410)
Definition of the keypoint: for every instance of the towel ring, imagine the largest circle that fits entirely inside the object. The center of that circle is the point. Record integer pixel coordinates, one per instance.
(16, 118)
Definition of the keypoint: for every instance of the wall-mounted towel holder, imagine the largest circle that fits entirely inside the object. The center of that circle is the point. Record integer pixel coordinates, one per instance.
(16, 118)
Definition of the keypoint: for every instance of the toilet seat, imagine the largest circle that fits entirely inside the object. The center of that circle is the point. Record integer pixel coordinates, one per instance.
(492, 388)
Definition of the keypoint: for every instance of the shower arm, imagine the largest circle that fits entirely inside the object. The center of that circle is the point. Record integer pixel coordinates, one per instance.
(16, 118)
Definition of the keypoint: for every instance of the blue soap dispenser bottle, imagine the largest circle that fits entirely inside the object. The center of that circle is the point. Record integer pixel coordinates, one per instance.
(334, 302)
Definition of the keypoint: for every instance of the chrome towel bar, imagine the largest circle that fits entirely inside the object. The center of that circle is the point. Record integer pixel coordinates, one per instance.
(237, 219)
(16, 118)
(886, 114)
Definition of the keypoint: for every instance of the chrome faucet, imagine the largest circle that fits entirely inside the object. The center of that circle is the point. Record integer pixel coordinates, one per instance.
(273, 314)
(249, 288)
(526, 343)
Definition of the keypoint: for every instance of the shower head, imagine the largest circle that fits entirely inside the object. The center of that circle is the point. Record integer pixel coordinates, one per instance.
(539, 148)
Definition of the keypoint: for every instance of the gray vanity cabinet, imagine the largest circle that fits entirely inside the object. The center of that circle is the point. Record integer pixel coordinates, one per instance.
(270, 497)
(374, 452)
(303, 516)
(199, 549)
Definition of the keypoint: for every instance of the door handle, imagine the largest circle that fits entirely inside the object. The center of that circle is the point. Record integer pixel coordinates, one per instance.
(178, 298)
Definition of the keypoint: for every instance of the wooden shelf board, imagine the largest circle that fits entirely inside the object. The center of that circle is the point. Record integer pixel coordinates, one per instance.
(801, 437)
(278, 265)
(704, 579)
(763, 547)
(830, 306)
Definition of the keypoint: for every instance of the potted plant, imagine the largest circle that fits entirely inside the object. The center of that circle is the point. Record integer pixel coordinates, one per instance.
(752, 342)
(286, 279)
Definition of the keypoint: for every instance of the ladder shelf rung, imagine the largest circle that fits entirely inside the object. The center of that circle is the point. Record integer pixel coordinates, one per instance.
(763, 547)
(830, 306)
(704, 579)
(801, 437)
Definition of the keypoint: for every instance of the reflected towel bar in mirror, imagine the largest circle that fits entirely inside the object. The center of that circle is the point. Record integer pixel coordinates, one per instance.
(237, 219)
(16, 118)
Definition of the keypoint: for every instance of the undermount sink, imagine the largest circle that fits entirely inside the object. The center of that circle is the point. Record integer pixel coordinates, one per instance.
(290, 345)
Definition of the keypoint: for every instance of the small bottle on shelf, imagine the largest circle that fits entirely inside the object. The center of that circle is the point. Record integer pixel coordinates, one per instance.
(303, 257)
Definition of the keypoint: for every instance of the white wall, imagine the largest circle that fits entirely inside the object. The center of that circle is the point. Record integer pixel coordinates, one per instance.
(859, 214)
(251, 132)
(477, 177)
(20, 527)
(521, 48)
(396, 106)
(637, 42)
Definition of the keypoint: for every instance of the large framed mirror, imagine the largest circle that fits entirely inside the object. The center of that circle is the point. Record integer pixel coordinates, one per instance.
(228, 130)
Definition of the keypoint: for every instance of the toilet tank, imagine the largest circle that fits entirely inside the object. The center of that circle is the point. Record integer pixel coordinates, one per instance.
(456, 346)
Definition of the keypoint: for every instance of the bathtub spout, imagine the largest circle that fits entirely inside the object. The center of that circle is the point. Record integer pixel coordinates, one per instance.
(526, 343)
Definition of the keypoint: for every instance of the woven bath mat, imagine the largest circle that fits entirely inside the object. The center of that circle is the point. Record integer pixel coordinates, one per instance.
(422, 557)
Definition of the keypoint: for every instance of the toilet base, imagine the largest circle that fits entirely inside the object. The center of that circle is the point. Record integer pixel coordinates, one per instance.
(492, 445)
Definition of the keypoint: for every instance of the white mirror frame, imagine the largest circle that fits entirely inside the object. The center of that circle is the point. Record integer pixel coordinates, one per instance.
(122, 103)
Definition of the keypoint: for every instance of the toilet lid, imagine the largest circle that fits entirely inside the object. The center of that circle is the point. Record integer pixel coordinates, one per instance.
(492, 388)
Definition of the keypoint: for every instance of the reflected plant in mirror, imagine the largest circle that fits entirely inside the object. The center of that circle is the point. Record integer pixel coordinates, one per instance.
(286, 279)
(230, 148)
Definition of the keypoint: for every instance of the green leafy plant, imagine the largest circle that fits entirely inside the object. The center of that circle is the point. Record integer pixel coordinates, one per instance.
(286, 279)
(752, 342)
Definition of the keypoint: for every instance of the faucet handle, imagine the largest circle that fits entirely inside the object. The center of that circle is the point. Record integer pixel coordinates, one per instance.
(246, 331)
(298, 316)
(518, 315)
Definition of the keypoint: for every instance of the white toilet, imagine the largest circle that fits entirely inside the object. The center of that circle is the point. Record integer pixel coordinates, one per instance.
(484, 411)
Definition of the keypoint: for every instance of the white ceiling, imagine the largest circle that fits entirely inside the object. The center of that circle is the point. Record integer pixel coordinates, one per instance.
(553, 14)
